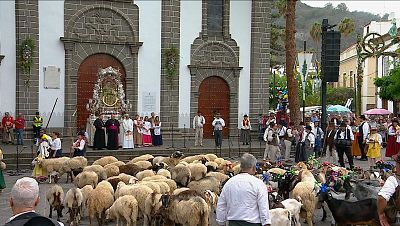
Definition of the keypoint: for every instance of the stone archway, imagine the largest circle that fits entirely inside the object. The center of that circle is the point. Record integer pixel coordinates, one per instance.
(214, 98)
(99, 27)
(87, 76)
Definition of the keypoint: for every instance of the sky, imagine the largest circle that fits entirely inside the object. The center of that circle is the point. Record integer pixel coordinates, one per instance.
(375, 7)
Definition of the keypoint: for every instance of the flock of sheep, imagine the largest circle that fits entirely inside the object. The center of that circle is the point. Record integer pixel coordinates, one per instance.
(159, 190)
(166, 190)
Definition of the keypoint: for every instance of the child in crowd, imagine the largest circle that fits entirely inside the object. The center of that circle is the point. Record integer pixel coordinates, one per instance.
(374, 141)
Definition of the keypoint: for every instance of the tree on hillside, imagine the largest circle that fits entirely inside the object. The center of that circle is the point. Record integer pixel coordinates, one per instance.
(346, 26)
(342, 7)
(316, 32)
(290, 45)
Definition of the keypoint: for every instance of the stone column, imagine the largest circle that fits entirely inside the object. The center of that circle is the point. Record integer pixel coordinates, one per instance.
(27, 26)
(260, 58)
(170, 37)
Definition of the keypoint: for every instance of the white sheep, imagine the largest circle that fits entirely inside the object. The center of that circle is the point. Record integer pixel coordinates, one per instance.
(74, 164)
(211, 157)
(206, 183)
(52, 166)
(191, 159)
(173, 160)
(125, 207)
(179, 190)
(73, 201)
(151, 208)
(140, 192)
(280, 217)
(171, 183)
(219, 176)
(164, 172)
(155, 177)
(128, 179)
(145, 157)
(98, 169)
(153, 185)
(304, 192)
(143, 165)
(98, 202)
(211, 166)
(86, 178)
(144, 173)
(55, 197)
(180, 209)
(111, 170)
(105, 160)
(181, 174)
(294, 208)
(86, 191)
(197, 171)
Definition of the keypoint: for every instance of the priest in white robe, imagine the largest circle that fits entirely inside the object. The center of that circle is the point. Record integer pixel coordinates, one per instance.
(127, 125)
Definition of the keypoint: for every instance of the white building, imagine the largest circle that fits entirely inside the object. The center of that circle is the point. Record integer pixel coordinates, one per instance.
(223, 57)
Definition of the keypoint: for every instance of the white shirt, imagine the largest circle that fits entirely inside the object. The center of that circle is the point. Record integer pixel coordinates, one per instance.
(282, 131)
(388, 188)
(268, 136)
(310, 137)
(343, 134)
(81, 144)
(146, 128)
(365, 129)
(56, 144)
(218, 124)
(246, 126)
(198, 121)
(378, 136)
(244, 197)
(392, 131)
(318, 130)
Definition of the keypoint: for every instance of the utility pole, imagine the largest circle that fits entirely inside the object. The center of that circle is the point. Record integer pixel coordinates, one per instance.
(304, 85)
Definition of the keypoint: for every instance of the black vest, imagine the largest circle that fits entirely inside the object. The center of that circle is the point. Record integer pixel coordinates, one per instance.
(24, 218)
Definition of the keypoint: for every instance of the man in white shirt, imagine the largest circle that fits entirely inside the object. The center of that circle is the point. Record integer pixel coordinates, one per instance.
(387, 192)
(244, 198)
(23, 201)
(362, 139)
(343, 138)
(218, 124)
(198, 124)
(271, 136)
(308, 142)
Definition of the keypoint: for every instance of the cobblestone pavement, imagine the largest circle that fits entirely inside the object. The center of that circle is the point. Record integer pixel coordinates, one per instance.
(43, 207)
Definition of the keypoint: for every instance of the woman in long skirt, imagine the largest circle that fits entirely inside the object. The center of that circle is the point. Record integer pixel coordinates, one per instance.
(245, 131)
(392, 147)
(157, 141)
(2, 167)
(137, 134)
(146, 133)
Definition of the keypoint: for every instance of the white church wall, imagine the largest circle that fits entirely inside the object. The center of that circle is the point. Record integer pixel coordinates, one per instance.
(52, 53)
(8, 49)
(240, 28)
(149, 58)
(190, 23)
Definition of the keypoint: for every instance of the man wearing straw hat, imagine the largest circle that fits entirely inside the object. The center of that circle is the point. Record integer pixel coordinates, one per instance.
(388, 201)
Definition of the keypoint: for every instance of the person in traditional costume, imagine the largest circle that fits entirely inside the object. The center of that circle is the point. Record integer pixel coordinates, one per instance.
(2, 167)
(99, 141)
(355, 147)
(152, 120)
(39, 172)
(374, 141)
(245, 130)
(55, 146)
(79, 145)
(127, 126)
(137, 132)
(112, 126)
(157, 141)
(8, 125)
(147, 142)
(393, 147)
(329, 148)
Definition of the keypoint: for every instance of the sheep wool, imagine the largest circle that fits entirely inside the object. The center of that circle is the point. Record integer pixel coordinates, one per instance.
(145, 157)
(111, 170)
(140, 192)
(165, 173)
(153, 185)
(179, 190)
(294, 208)
(130, 169)
(105, 160)
(196, 207)
(107, 186)
(219, 176)
(127, 179)
(75, 163)
(86, 178)
(98, 169)
(86, 191)
(304, 191)
(53, 164)
(197, 171)
(125, 207)
(171, 183)
(144, 173)
(143, 165)
(280, 217)
(73, 201)
(211, 157)
(211, 166)
(98, 202)
(204, 184)
(55, 197)
(181, 174)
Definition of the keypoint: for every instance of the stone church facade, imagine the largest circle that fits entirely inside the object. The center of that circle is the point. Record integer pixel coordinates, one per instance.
(223, 57)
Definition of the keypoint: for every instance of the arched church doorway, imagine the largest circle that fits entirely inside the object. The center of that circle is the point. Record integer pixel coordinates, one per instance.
(87, 77)
(213, 98)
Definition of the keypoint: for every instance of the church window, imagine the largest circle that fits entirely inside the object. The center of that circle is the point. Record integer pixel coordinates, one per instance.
(215, 15)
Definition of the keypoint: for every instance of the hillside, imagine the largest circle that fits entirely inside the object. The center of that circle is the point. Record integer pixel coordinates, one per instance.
(306, 16)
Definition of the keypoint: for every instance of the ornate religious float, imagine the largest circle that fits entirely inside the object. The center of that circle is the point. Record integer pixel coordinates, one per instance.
(108, 99)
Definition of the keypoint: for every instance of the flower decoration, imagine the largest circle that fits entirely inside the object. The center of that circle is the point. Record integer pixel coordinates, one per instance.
(324, 187)
(171, 62)
(265, 177)
(25, 54)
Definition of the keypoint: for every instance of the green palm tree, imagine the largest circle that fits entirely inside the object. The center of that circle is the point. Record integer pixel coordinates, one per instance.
(346, 26)
(315, 32)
